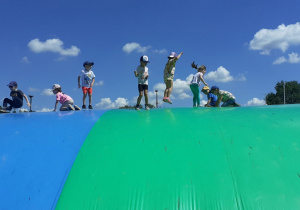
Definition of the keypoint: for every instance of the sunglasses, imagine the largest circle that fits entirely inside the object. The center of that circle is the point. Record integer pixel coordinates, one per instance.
(10, 86)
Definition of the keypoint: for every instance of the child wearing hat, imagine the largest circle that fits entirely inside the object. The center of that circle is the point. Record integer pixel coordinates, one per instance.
(195, 83)
(226, 97)
(66, 101)
(211, 98)
(169, 75)
(87, 78)
(17, 97)
(141, 73)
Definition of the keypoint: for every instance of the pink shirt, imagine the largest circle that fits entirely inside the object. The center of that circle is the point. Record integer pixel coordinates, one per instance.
(62, 98)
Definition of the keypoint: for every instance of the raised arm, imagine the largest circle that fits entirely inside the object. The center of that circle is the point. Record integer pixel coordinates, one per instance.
(178, 56)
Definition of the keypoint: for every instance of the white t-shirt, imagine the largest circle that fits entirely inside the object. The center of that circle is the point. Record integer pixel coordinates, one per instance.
(142, 72)
(196, 78)
(86, 78)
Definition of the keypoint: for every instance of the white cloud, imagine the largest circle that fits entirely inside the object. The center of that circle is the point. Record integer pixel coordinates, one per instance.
(181, 90)
(240, 77)
(133, 46)
(281, 38)
(47, 92)
(280, 60)
(221, 75)
(182, 96)
(52, 45)
(106, 103)
(32, 90)
(162, 51)
(256, 102)
(100, 83)
(25, 60)
(292, 58)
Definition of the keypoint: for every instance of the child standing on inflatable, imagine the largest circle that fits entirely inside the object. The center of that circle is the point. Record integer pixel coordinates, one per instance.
(195, 83)
(211, 98)
(141, 73)
(169, 75)
(66, 101)
(17, 97)
(226, 97)
(87, 82)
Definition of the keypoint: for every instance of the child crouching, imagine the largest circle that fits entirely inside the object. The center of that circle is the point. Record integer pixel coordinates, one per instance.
(66, 101)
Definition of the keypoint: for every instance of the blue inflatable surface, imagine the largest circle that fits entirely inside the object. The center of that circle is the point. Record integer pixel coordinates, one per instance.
(37, 151)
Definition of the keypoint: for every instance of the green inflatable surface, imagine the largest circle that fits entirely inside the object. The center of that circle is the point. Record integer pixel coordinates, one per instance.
(189, 158)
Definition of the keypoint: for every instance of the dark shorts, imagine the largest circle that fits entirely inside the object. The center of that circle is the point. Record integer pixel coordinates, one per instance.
(143, 87)
(228, 103)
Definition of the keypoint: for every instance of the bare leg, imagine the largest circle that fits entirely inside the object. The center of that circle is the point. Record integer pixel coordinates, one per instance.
(139, 98)
(90, 99)
(83, 98)
(146, 96)
(169, 88)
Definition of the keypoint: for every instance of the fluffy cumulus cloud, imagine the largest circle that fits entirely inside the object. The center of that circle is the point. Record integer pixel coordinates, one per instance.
(292, 58)
(280, 38)
(47, 92)
(181, 90)
(221, 75)
(133, 46)
(256, 102)
(52, 45)
(107, 103)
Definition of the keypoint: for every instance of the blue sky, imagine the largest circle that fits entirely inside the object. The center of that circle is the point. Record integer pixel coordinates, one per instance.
(247, 47)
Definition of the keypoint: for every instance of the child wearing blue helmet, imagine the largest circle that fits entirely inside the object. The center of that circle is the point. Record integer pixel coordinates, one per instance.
(226, 97)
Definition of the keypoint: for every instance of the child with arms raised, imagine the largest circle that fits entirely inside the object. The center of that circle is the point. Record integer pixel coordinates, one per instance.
(169, 75)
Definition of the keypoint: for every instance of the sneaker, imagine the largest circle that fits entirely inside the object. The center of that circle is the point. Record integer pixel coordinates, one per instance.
(76, 108)
(84, 106)
(71, 107)
(137, 107)
(90, 107)
(165, 99)
(168, 101)
(147, 107)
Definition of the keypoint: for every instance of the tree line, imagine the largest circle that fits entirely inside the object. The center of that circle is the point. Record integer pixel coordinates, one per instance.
(292, 93)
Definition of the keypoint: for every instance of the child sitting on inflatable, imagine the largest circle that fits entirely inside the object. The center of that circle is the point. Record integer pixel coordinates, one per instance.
(66, 101)
(211, 98)
(17, 98)
(226, 97)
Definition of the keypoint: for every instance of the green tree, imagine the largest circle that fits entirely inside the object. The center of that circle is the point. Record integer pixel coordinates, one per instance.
(292, 93)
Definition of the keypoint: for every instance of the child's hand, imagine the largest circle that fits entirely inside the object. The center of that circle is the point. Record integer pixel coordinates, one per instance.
(28, 104)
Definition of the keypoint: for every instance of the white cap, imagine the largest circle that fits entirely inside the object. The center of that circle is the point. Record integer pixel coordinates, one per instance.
(145, 59)
(55, 86)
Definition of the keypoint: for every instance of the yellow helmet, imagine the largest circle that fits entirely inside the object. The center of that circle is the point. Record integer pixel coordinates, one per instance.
(205, 88)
